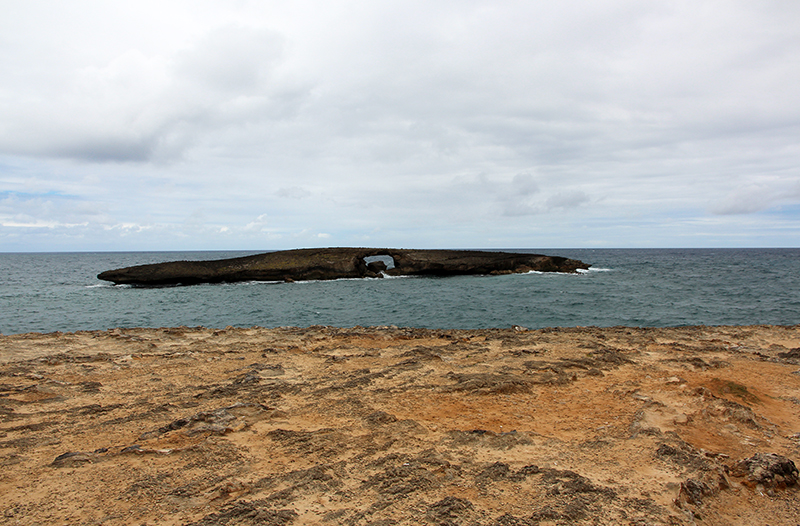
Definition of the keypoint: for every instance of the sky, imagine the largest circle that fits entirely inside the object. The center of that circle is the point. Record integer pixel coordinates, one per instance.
(267, 125)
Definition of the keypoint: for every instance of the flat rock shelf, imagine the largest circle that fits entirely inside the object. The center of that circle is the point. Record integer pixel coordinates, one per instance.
(387, 425)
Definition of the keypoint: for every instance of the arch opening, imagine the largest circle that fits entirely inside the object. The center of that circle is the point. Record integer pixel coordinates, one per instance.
(379, 262)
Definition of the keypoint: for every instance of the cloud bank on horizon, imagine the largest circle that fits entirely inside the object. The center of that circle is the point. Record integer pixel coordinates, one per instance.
(268, 125)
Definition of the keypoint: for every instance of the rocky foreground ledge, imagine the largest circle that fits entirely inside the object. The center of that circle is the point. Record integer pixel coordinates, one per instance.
(336, 263)
(395, 426)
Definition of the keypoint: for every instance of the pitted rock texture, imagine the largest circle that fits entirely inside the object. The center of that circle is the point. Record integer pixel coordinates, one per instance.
(323, 425)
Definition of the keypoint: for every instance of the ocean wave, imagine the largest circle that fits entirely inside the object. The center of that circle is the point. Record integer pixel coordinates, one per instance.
(579, 271)
(107, 286)
(385, 277)
(308, 281)
(594, 269)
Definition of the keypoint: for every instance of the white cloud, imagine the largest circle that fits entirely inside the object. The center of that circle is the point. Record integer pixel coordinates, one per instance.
(293, 192)
(40, 224)
(568, 199)
(438, 124)
(231, 59)
(757, 196)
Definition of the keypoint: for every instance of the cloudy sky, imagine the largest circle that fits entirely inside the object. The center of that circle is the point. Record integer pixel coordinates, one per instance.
(438, 124)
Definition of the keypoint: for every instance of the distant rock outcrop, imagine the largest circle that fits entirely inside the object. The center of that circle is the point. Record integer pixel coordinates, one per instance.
(334, 263)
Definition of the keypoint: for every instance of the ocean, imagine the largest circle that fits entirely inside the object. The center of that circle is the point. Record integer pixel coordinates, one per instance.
(48, 292)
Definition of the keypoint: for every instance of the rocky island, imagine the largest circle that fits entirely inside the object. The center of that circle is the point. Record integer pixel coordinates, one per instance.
(336, 263)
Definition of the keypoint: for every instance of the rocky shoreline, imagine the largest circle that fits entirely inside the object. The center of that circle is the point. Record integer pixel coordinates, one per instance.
(386, 425)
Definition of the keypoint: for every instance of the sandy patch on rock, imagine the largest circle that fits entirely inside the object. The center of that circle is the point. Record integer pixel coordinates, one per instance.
(400, 426)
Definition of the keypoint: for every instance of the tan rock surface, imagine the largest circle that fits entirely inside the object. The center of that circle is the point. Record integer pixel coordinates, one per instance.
(398, 426)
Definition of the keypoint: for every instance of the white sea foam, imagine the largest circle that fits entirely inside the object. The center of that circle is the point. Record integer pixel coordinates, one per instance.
(579, 271)
(385, 276)
(388, 276)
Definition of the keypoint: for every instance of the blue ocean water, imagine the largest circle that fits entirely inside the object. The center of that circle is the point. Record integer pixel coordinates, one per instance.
(46, 292)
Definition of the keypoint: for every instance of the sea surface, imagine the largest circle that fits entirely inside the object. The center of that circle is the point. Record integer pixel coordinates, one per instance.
(47, 292)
